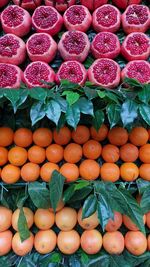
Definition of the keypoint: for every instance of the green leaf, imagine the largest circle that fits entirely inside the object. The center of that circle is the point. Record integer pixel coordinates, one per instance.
(101, 93)
(144, 94)
(129, 112)
(89, 92)
(53, 257)
(136, 260)
(39, 194)
(62, 103)
(22, 98)
(22, 226)
(68, 193)
(81, 184)
(73, 115)
(56, 185)
(112, 96)
(37, 112)
(38, 93)
(86, 106)
(53, 111)
(145, 201)
(98, 119)
(113, 112)
(81, 194)
(89, 206)
(133, 82)
(145, 111)
(71, 97)
(12, 95)
(142, 185)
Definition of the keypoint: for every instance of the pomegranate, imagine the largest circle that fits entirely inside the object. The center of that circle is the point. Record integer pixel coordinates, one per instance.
(124, 3)
(74, 45)
(77, 17)
(93, 4)
(105, 73)
(3, 2)
(60, 5)
(16, 20)
(12, 49)
(106, 18)
(105, 45)
(47, 19)
(136, 46)
(41, 47)
(137, 69)
(36, 73)
(73, 71)
(28, 4)
(136, 18)
(10, 76)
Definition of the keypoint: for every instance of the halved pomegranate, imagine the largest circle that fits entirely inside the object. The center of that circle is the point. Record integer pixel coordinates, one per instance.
(41, 47)
(136, 46)
(105, 45)
(3, 2)
(77, 17)
(60, 5)
(28, 4)
(105, 73)
(47, 19)
(106, 18)
(93, 4)
(36, 73)
(137, 69)
(12, 49)
(122, 4)
(10, 76)
(74, 45)
(16, 20)
(136, 18)
(73, 71)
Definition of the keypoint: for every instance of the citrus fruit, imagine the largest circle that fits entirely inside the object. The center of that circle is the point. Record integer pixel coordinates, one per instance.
(113, 242)
(10, 174)
(89, 169)
(42, 137)
(47, 170)
(68, 242)
(60, 205)
(129, 152)
(30, 172)
(28, 214)
(3, 156)
(63, 136)
(135, 242)
(114, 224)
(110, 172)
(130, 224)
(5, 242)
(129, 171)
(23, 137)
(54, 153)
(118, 136)
(45, 241)
(91, 241)
(148, 242)
(139, 136)
(145, 171)
(44, 219)
(92, 149)
(5, 218)
(148, 219)
(66, 219)
(72, 153)
(70, 171)
(110, 153)
(17, 156)
(6, 136)
(144, 153)
(36, 154)
(99, 135)
(22, 248)
(81, 135)
(88, 223)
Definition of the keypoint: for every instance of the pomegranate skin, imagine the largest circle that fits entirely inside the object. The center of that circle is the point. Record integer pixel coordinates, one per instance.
(3, 2)
(130, 23)
(124, 3)
(28, 4)
(34, 50)
(9, 25)
(93, 4)
(17, 56)
(13, 76)
(49, 28)
(60, 5)
(131, 51)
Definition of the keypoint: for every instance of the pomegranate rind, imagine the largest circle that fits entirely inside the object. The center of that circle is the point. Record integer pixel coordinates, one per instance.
(61, 7)
(3, 2)
(132, 27)
(124, 3)
(93, 4)
(75, 64)
(111, 28)
(28, 79)
(144, 72)
(28, 4)
(17, 78)
(134, 55)
(103, 51)
(84, 25)
(72, 56)
(103, 62)
(20, 55)
(52, 30)
(48, 55)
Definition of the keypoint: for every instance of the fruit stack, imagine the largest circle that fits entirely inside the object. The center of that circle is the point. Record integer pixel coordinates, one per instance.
(31, 35)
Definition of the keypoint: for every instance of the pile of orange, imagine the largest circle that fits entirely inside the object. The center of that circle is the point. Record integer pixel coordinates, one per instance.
(68, 239)
(31, 155)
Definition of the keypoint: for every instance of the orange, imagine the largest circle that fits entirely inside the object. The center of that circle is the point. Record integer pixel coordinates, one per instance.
(22, 248)
(42, 137)
(110, 153)
(148, 219)
(54, 153)
(45, 241)
(5, 218)
(118, 136)
(3, 156)
(89, 169)
(68, 242)
(70, 171)
(139, 136)
(30, 172)
(44, 219)
(113, 242)
(148, 242)
(66, 219)
(6, 136)
(99, 135)
(135, 242)
(72, 153)
(28, 214)
(23, 137)
(60, 205)
(92, 149)
(91, 241)
(5, 242)
(129, 152)
(17, 156)
(110, 172)
(10, 174)
(145, 171)
(114, 224)
(47, 170)
(36, 154)
(88, 223)
(81, 135)
(129, 171)
(63, 136)
(130, 224)
(144, 153)
(149, 133)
